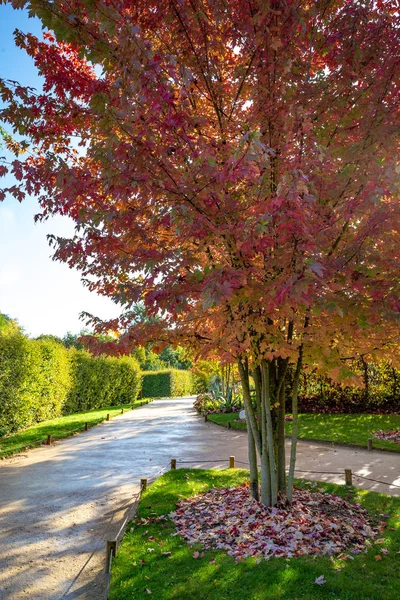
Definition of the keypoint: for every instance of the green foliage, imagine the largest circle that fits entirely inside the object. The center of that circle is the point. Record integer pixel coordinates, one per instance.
(169, 358)
(70, 340)
(205, 404)
(203, 371)
(53, 379)
(378, 390)
(16, 364)
(41, 379)
(8, 325)
(34, 380)
(175, 358)
(102, 381)
(169, 383)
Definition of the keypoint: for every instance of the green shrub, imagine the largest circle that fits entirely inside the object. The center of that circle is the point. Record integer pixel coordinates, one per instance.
(205, 404)
(101, 381)
(53, 380)
(34, 380)
(16, 362)
(170, 383)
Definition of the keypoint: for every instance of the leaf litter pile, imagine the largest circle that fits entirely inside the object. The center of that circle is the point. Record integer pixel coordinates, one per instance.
(316, 523)
(393, 435)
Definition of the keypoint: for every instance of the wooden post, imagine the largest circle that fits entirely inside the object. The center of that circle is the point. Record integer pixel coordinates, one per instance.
(231, 462)
(173, 463)
(122, 411)
(111, 548)
(369, 444)
(86, 426)
(229, 425)
(143, 483)
(205, 418)
(108, 417)
(49, 440)
(348, 477)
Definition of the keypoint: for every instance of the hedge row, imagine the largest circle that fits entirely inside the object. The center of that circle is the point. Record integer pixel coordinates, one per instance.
(35, 377)
(172, 383)
(379, 391)
(41, 379)
(102, 381)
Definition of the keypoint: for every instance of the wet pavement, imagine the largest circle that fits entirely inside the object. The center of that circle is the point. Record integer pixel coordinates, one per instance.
(59, 504)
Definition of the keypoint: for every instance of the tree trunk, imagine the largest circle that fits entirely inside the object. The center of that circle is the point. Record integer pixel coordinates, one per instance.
(254, 485)
(281, 412)
(266, 404)
(295, 425)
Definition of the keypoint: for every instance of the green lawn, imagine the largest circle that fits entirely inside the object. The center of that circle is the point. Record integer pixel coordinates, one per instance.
(343, 429)
(59, 428)
(141, 570)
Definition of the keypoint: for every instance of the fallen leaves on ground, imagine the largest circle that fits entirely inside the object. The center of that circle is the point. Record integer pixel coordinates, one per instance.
(392, 435)
(316, 523)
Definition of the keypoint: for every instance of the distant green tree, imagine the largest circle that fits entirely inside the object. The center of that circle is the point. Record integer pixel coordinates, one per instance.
(50, 337)
(70, 340)
(177, 358)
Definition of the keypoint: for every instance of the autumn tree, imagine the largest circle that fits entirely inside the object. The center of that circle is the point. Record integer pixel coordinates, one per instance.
(233, 166)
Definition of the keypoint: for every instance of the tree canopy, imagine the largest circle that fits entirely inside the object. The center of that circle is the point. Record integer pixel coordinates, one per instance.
(231, 164)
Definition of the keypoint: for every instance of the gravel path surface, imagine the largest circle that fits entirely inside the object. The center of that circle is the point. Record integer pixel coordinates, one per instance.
(59, 504)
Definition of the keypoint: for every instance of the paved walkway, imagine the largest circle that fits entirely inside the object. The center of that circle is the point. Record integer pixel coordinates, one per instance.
(59, 504)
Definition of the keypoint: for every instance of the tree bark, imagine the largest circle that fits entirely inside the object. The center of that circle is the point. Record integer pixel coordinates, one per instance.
(266, 404)
(295, 425)
(254, 484)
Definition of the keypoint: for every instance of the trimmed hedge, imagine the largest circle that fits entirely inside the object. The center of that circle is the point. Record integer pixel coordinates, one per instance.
(170, 383)
(41, 379)
(102, 381)
(35, 376)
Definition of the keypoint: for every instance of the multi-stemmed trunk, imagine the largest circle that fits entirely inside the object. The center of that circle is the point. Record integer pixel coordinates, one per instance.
(265, 416)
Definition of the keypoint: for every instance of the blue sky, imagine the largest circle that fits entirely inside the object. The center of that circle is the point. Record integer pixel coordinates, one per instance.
(43, 295)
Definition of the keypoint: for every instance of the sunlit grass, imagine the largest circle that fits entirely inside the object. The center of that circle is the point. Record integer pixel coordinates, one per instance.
(339, 428)
(141, 574)
(59, 428)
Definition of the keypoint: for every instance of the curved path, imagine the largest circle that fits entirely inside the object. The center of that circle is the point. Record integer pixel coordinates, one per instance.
(59, 504)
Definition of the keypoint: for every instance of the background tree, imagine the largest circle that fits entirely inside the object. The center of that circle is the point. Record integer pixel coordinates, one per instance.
(232, 166)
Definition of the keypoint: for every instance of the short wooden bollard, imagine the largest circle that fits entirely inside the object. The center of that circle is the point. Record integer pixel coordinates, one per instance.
(229, 425)
(86, 426)
(231, 462)
(205, 418)
(143, 484)
(111, 547)
(348, 476)
(107, 417)
(122, 411)
(49, 440)
(369, 444)
(173, 463)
